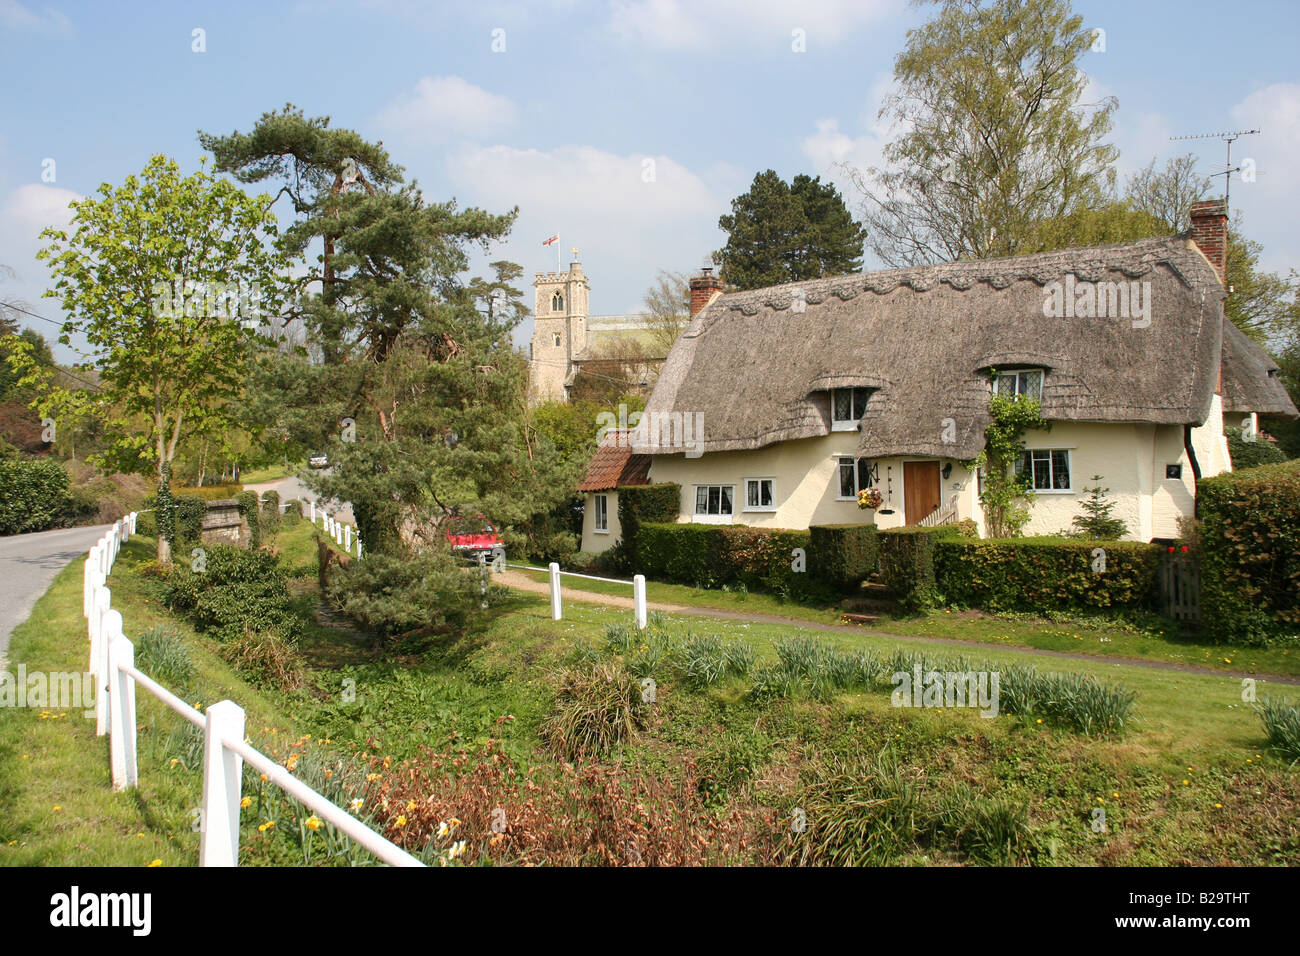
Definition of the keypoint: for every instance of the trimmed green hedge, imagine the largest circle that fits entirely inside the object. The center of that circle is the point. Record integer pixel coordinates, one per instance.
(842, 555)
(707, 555)
(907, 564)
(644, 504)
(34, 496)
(1037, 574)
(1250, 554)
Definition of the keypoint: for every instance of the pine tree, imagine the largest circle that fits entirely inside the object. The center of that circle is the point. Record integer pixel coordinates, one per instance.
(1097, 520)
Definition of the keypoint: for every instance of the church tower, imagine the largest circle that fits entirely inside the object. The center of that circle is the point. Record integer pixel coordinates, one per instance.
(559, 331)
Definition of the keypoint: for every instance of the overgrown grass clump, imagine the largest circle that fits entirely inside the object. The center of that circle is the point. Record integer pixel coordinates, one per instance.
(1282, 725)
(597, 708)
(162, 653)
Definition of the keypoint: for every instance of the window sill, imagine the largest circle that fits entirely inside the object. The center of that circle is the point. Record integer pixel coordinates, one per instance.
(711, 519)
(769, 511)
(600, 531)
(1053, 491)
(844, 426)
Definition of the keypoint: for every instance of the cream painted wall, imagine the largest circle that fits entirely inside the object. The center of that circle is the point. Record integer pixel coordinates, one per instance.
(1210, 444)
(1130, 458)
(595, 541)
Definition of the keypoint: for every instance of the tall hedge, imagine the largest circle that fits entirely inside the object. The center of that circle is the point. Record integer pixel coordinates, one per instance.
(907, 564)
(1250, 554)
(842, 555)
(34, 496)
(709, 555)
(1036, 574)
(645, 504)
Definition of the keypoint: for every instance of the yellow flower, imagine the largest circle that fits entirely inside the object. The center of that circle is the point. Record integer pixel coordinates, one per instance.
(454, 822)
(371, 777)
(174, 762)
(1186, 782)
(57, 809)
(246, 802)
(442, 828)
(262, 828)
(1040, 720)
(410, 804)
(456, 850)
(263, 778)
(1218, 806)
(1115, 795)
(313, 823)
(401, 820)
(293, 762)
(155, 862)
(139, 834)
(356, 804)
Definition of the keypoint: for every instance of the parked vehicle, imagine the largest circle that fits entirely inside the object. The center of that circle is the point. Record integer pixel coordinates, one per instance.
(475, 535)
(318, 460)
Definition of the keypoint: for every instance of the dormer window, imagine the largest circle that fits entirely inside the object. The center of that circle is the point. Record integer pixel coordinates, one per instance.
(1020, 381)
(848, 405)
(557, 302)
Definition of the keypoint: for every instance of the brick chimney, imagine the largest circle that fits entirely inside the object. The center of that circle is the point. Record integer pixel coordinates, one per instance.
(1210, 232)
(703, 289)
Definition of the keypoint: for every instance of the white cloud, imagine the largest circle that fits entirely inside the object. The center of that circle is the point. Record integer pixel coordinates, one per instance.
(708, 24)
(1270, 202)
(447, 108)
(630, 214)
(14, 16)
(26, 211)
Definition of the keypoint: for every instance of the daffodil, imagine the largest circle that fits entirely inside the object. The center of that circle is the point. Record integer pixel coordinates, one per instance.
(401, 820)
(246, 802)
(313, 823)
(155, 862)
(356, 804)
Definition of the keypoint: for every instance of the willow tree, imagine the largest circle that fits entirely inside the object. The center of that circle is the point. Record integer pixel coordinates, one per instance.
(995, 134)
(167, 278)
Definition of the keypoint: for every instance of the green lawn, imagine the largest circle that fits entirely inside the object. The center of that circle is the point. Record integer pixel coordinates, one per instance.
(1155, 640)
(257, 476)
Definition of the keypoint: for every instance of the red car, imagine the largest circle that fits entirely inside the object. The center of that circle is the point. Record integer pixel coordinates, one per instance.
(472, 536)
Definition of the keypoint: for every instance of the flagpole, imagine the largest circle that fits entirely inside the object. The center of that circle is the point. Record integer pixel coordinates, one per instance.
(557, 252)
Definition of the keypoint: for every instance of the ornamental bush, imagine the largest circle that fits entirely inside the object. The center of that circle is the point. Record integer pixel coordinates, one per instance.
(1037, 574)
(233, 592)
(1250, 555)
(34, 496)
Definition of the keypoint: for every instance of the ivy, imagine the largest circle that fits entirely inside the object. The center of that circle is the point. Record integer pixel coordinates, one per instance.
(1007, 495)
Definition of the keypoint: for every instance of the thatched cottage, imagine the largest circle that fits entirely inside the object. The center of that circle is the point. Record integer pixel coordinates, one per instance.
(777, 406)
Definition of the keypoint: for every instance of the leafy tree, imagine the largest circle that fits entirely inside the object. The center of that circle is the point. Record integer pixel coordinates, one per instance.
(1261, 304)
(668, 309)
(1097, 520)
(1250, 452)
(787, 232)
(168, 363)
(996, 136)
(1168, 195)
(1112, 222)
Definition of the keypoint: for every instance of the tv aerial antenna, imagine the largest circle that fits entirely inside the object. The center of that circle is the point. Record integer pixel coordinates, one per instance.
(1228, 168)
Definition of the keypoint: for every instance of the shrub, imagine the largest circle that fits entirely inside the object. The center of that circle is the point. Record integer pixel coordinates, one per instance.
(189, 511)
(414, 595)
(1250, 554)
(842, 555)
(34, 496)
(639, 504)
(1038, 574)
(1098, 520)
(270, 511)
(249, 511)
(265, 660)
(235, 592)
(1250, 454)
(596, 709)
(907, 565)
(1282, 724)
(714, 556)
(292, 511)
(161, 652)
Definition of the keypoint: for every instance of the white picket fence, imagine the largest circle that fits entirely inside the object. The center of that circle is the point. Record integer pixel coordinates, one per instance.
(343, 534)
(225, 748)
(557, 608)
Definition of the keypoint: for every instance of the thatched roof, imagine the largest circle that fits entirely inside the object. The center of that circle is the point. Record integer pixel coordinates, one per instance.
(754, 367)
(1250, 377)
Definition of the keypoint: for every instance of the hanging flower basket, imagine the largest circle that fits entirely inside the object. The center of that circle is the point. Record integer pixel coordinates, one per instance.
(870, 498)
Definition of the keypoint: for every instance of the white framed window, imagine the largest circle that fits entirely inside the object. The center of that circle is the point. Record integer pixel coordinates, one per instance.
(758, 494)
(714, 502)
(856, 474)
(1048, 468)
(847, 408)
(600, 515)
(1020, 381)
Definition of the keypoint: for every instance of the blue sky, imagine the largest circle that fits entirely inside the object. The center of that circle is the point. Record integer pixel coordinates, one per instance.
(563, 120)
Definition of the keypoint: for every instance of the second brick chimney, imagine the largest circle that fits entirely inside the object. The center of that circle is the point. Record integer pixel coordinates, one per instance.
(1210, 232)
(703, 289)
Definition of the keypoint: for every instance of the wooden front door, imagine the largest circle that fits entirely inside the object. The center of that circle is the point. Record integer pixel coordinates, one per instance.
(920, 489)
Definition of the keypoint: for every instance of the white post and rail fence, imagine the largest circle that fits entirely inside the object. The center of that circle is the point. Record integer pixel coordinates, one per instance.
(343, 534)
(225, 748)
(637, 584)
